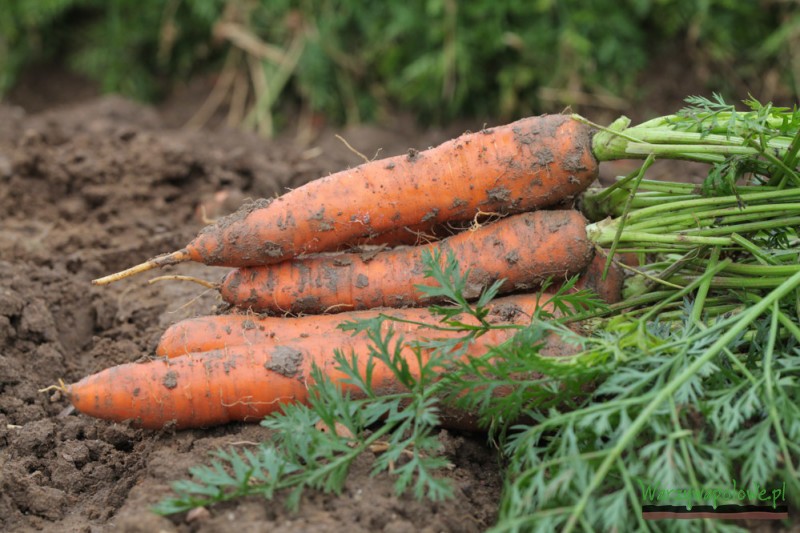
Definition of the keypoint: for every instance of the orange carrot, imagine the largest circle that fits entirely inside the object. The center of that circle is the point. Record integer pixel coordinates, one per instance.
(523, 249)
(608, 289)
(529, 164)
(239, 383)
(207, 333)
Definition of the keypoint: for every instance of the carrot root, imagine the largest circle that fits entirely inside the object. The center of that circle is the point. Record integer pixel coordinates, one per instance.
(524, 250)
(173, 258)
(530, 164)
(247, 382)
(60, 387)
(218, 332)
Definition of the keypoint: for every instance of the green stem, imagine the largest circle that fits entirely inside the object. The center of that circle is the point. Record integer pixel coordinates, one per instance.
(604, 236)
(724, 215)
(790, 160)
(762, 270)
(768, 384)
(726, 201)
(637, 142)
(721, 118)
(746, 214)
(687, 461)
(663, 136)
(603, 194)
(625, 210)
(710, 311)
(702, 290)
(667, 269)
(677, 188)
(641, 200)
(709, 152)
(587, 456)
(785, 321)
(628, 303)
(780, 165)
(520, 523)
(745, 228)
(650, 277)
(757, 252)
(730, 282)
(693, 284)
(670, 187)
(565, 418)
(631, 491)
(651, 249)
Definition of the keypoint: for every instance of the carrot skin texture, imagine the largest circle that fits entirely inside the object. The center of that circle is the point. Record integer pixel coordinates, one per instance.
(529, 164)
(208, 333)
(524, 250)
(239, 383)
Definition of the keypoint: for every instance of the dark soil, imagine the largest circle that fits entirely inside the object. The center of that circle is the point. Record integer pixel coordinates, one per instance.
(89, 189)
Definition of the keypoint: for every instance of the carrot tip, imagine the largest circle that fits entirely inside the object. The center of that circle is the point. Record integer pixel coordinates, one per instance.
(157, 262)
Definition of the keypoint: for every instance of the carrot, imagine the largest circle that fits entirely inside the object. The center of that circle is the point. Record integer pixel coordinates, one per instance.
(209, 333)
(523, 249)
(608, 289)
(239, 383)
(529, 164)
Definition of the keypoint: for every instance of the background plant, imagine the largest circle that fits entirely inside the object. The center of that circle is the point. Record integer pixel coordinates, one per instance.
(437, 58)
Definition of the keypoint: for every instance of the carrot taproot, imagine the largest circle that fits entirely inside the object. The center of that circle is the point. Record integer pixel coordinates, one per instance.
(207, 333)
(529, 164)
(524, 250)
(239, 383)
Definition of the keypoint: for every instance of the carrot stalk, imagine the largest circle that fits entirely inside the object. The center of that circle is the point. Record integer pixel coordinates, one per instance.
(533, 163)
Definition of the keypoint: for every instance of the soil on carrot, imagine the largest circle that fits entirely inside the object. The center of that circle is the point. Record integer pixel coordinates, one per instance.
(89, 189)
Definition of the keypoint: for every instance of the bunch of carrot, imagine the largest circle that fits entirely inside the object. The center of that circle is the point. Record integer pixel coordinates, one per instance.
(240, 367)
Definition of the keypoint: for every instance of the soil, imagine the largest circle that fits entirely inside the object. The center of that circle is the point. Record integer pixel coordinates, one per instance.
(88, 189)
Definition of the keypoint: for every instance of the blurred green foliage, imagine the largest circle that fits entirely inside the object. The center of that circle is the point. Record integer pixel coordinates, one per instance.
(437, 58)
